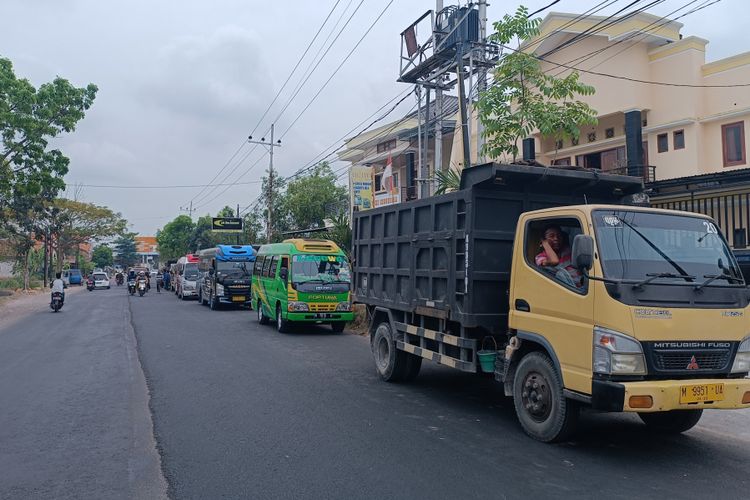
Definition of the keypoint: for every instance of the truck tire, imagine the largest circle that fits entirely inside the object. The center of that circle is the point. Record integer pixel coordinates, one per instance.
(673, 422)
(262, 318)
(390, 362)
(544, 412)
(282, 326)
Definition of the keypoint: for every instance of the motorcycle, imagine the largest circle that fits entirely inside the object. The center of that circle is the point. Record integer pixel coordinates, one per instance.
(57, 301)
(131, 287)
(118, 279)
(141, 288)
(90, 284)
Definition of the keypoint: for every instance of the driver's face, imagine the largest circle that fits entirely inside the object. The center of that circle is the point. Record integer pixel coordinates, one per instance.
(554, 238)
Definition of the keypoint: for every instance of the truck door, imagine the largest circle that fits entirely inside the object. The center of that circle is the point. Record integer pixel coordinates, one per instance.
(550, 301)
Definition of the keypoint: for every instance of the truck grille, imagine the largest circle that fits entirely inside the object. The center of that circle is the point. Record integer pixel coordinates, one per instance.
(679, 361)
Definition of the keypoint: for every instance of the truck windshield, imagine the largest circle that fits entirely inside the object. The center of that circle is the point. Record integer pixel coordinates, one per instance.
(191, 272)
(635, 245)
(233, 267)
(320, 269)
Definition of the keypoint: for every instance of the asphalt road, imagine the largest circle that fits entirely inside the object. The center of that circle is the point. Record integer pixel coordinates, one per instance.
(74, 419)
(241, 411)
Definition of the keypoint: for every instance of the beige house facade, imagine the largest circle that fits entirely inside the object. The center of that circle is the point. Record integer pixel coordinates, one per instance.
(696, 122)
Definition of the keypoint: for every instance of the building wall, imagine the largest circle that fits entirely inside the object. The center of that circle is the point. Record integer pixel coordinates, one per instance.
(699, 112)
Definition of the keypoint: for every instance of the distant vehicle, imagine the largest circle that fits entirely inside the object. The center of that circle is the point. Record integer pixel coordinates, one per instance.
(302, 280)
(187, 276)
(101, 280)
(72, 277)
(226, 272)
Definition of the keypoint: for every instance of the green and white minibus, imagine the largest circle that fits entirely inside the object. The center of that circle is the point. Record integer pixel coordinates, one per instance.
(302, 281)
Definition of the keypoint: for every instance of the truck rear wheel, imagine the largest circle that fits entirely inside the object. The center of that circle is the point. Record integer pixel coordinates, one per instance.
(390, 362)
(544, 412)
(675, 421)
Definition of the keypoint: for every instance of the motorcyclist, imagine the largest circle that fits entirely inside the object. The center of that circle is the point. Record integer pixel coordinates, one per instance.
(131, 274)
(118, 278)
(58, 285)
(165, 279)
(142, 277)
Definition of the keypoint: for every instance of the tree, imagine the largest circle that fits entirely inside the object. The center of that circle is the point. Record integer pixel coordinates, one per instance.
(447, 180)
(280, 215)
(102, 256)
(126, 249)
(523, 98)
(174, 238)
(79, 222)
(202, 236)
(29, 118)
(311, 199)
(341, 232)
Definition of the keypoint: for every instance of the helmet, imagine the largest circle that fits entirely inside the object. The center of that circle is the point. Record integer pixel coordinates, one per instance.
(142, 273)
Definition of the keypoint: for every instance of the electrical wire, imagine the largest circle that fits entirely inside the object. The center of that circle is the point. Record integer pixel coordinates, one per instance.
(117, 186)
(346, 58)
(299, 61)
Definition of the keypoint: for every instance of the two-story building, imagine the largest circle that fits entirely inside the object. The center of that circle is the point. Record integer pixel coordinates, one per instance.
(693, 113)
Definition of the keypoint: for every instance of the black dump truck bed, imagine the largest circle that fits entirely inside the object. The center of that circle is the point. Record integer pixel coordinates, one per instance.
(449, 256)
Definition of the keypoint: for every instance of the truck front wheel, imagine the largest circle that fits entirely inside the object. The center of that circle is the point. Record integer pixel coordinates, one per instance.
(675, 421)
(544, 412)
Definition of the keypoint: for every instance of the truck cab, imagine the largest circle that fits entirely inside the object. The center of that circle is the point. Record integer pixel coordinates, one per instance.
(653, 319)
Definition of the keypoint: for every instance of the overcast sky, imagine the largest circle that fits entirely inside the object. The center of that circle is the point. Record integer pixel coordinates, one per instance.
(183, 82)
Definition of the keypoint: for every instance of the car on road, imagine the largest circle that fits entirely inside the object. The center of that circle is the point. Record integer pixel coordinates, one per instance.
(101, 280)
(187, 277)
(72, 277)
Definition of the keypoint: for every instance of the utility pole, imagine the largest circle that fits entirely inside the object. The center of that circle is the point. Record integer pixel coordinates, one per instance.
(270, 145)
(237, 213)
(482, 77)
(189, 210)
(438, 160)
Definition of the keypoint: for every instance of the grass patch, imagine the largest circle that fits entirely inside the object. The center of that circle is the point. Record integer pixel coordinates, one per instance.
(16, 282)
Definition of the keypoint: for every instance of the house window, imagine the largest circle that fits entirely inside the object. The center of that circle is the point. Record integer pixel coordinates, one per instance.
(679, 139)
(378, 179)
(662, 143)
(733, 143)
(562, 161)
(387, 145)
(609, 133)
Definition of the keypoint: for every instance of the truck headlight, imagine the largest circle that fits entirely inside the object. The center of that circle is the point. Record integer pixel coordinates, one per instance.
(344, 306)
(742, 358)
(617, 354)
(219, 289)
(297, 306)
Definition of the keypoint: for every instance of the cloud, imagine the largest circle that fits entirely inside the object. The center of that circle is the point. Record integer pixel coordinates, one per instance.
(218, 77)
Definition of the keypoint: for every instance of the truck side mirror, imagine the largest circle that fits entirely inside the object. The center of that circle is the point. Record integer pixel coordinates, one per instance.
(284, 274)
(583, 252)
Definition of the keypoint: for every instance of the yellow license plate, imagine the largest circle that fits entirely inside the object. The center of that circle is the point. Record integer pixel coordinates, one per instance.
(238, 298)
(701, 392)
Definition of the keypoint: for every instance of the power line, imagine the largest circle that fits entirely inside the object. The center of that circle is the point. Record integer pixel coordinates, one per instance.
(543, 9)
(309, 71)
(299, 61)
(635, 80)
(180, 186)
(338, 67)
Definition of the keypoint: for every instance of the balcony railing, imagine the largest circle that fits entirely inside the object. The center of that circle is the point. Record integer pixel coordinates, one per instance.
(646, 172)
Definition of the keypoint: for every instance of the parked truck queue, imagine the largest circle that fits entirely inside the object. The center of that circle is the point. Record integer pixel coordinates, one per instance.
(562, 285)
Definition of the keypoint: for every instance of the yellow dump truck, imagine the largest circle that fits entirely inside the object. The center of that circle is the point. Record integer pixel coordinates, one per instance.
(568, 288)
